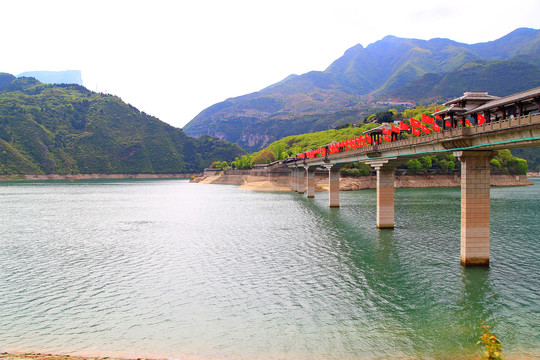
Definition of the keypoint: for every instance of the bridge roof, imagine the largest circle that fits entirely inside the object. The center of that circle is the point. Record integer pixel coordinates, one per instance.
(454, 108)
(378, 129)
(527, 95)
(472, 96)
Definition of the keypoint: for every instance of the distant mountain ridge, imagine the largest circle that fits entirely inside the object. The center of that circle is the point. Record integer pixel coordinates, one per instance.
(55, 77)
(397, 68)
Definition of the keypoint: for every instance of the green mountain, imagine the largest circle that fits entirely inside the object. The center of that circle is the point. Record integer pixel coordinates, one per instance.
(498, 77)
(392, 68)
(64, 129)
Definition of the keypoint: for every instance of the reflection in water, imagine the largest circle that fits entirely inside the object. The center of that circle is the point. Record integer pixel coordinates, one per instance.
(474, 306)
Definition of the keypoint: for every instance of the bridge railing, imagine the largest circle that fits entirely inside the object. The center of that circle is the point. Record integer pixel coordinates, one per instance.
(508, 123)
(464, 131)
(448, 134)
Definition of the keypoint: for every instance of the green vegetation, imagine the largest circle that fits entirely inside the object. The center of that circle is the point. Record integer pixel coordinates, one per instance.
(263, 157)
(67, 129)
(292, 145)
(219, 165)
(505, 163)
(532, 155)
(356, 169)
(492, 345)
(244, 162)
(496, 77)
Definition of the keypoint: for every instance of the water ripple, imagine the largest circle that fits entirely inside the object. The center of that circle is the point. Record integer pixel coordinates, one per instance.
(167, 268)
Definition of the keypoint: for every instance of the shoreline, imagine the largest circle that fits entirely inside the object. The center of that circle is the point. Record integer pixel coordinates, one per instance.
(281, 184)
(39, 356)
(47, 177)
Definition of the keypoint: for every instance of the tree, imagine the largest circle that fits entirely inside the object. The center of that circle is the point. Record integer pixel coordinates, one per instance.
(519, 166)
(279, 151)
(426, 162)
(414, 165)
(243, 162)
(356, 169)
(264, 157)
(495, 164)
(451, 166)
(509, 164)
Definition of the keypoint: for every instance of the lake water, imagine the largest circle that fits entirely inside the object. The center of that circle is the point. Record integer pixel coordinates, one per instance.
(165, 268)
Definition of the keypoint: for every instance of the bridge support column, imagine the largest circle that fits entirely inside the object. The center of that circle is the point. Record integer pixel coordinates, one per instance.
(310, 173)
(333, 184)
(385, 197)
(385, 193)
(301, 180)
(475, 203)
(294, 179)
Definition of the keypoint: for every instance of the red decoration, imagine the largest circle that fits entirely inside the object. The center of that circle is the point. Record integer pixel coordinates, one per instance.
(403, 126)
(481, 119)
(368, 139)
(427, 120)
(415, 123)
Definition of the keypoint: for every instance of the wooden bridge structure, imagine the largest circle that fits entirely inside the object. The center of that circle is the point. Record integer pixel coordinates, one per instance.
(511, 122)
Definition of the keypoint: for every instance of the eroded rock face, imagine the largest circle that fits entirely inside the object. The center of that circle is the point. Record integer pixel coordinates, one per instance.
(255, 140)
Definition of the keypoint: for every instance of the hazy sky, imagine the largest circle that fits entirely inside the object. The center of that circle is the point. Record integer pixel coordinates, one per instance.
(172, 59)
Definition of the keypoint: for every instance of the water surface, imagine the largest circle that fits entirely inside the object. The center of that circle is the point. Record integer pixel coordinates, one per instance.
(164, 268)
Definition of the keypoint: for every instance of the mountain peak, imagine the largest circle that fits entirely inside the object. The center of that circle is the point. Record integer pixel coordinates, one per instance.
(343, 92)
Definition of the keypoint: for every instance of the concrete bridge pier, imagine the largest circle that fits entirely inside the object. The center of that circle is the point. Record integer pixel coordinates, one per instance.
(294, 179)
(475, 206)
(310, 181)
(301, 180)
(333, 184)
(385, 193)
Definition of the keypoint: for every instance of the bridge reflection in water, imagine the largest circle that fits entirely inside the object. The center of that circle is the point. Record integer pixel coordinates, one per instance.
(474, 146)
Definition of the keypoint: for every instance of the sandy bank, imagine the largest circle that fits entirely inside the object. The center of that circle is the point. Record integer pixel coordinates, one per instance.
(257, 183)
(222, 179)
(266, 185)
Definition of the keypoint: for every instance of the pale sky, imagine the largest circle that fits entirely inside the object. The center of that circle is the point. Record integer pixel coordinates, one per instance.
(172, 59)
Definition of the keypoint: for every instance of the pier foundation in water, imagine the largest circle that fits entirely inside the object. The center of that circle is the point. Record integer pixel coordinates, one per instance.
(475, 206)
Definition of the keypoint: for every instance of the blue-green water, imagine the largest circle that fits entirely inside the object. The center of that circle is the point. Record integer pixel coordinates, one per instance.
(170, 269)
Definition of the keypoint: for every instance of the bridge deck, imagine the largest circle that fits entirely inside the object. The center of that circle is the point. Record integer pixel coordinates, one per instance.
(509, 133)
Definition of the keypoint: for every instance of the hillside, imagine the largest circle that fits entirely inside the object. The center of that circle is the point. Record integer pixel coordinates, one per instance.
(347, 91)
(67, 129)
